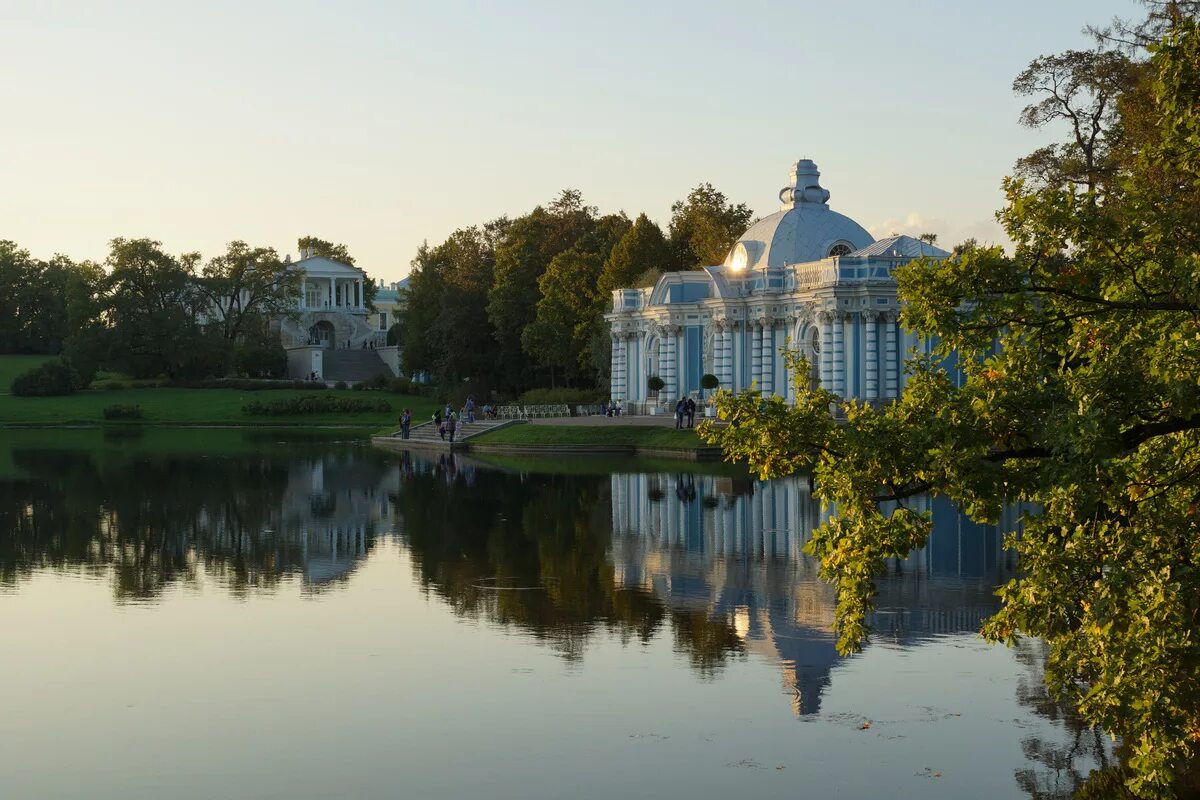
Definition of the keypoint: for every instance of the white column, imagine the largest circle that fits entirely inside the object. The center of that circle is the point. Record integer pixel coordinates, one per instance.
(872, 355)
(303, 293)
(767, 375)
(825, 319)
(670, 371)
(727, 358)
(849, 322)
(619, 358)
(614, 371)
(756, 354)
(735, 356)
(839, 356)
(891, 358)
(664, 353)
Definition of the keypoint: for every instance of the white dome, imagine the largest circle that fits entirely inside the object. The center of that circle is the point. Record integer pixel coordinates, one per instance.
(804, 230)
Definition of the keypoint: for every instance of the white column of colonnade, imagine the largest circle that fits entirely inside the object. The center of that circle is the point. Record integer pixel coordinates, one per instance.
(756, 353)
(618, 369)
(664, 355)
(767, 373)
(891, 356)
(849, 352)
(670, 366)
(839, 356)
(872, 355)
(736, 349)
(718, 350)
(825, 319)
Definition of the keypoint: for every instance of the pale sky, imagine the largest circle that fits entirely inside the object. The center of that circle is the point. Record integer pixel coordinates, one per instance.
(383, 124)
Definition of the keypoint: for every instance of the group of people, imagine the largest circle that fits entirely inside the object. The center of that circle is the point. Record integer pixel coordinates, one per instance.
(685, 408)
(448, 421)
(612, 409)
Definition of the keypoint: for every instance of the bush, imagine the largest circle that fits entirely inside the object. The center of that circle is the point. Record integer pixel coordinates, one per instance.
(246, 384)
(53, 378)
(709, 381)
(326, 404)
(114, 386)
(655, 383)
(261, 360)
(379, 381)
(123, 411)
(358, 387)
(554, 397)
(340, 385)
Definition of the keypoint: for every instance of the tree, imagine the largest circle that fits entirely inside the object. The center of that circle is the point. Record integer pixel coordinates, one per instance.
(571, 305)
(35, 315)
(642, 247)
(152, 306)
(704, 227)
(1078, 394)
(245, 287)
(525, 251)
(341, 253)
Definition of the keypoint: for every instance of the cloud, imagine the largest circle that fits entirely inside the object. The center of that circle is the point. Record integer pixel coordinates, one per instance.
(987, 231)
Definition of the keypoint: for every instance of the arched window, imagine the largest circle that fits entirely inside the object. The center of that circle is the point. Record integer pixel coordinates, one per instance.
(841, 249)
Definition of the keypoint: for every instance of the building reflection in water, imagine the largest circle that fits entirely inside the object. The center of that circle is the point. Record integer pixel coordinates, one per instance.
(733, 549)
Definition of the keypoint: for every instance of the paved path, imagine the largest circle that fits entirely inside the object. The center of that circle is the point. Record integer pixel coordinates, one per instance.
(599, 421)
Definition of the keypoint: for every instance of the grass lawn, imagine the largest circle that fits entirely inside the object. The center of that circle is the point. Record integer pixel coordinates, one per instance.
(12, 366)
(200, 407)
(629, 435)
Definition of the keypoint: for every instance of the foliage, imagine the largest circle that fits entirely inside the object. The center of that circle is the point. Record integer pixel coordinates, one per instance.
(551, 397)
(246, 384)
(314, 404)
(52, 378)
(395, 334)
(642, 247)
(705, 226)
(709, 381)
(247, 286)
(123, 411)
(340, 385)
(655, 384)
(34, 291)
(1076, 391)
(260, 359)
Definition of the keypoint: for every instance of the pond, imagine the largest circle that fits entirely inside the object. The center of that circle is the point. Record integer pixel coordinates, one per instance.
(202, 614)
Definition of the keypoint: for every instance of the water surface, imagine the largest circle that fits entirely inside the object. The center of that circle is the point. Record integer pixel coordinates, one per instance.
(206, 614)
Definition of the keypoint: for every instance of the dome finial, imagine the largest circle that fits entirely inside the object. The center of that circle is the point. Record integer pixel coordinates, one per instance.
(805, 186)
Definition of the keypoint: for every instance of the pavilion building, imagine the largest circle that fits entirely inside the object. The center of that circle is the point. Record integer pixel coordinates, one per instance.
(805, 278)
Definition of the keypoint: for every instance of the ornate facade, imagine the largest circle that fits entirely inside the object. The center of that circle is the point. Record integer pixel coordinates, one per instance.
(805, 278)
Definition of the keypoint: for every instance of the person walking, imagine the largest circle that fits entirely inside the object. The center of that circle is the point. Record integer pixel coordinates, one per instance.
(451, 425)
(680, 409)
(405, 423)
(438, 424)
(470, 408)
(690, 408)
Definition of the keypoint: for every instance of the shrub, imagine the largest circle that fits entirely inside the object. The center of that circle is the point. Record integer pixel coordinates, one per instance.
(114, 386)
(655, 383)
(709, 381)
(327, 404)
(379, 381)
(123, 411)
(550, 397)
(247, 384)
(47, 380)
(358, 387)
(340, 385)
(261, 360)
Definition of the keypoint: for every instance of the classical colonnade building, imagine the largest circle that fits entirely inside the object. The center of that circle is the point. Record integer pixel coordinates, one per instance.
(805, 278)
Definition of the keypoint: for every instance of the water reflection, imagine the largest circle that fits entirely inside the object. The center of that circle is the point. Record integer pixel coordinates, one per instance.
(712, 561)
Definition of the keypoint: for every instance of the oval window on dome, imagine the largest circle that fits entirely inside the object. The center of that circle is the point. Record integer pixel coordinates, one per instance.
(841, 249)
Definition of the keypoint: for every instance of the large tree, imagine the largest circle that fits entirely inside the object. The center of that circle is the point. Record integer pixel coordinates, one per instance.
(34, 320)
(1078, 394)
(528, 246)
(643, 247)
(704, 226)
(245, 287)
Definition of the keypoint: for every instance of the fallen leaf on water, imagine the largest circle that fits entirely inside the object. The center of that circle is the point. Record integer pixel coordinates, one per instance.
(864, 726)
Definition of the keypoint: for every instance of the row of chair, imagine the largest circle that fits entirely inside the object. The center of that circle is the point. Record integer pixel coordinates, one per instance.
(532, 412)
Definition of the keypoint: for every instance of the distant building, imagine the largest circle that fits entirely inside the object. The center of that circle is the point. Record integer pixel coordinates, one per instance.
(334, 336)
(805, 277)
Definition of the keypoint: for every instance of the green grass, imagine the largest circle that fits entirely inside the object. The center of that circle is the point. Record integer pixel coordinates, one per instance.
(615, 435)
(199, 407)
(12, 366)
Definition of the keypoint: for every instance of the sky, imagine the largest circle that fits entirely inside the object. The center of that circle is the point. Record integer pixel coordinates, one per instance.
(385, 124)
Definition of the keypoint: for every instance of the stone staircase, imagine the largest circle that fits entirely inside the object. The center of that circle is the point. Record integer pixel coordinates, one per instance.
(426, 435)
(352, 366)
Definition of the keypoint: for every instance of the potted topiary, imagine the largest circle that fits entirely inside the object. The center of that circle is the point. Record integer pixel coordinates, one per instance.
(709, 382)
(655, 384)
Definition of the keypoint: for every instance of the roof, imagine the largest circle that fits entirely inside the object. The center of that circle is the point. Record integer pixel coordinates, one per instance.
(900, 246)
(327, 266)
(804, 230)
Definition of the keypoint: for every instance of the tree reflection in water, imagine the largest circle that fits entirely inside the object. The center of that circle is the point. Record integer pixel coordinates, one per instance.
(715, 560)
